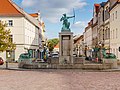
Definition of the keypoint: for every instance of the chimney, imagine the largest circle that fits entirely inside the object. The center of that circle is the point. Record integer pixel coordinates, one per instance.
(39, 17)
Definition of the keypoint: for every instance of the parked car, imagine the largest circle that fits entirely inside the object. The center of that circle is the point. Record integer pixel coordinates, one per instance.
(55, 55)
(1, 61)
(75, 55)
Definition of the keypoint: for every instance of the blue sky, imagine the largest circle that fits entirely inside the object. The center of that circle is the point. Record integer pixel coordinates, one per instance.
(52, 10)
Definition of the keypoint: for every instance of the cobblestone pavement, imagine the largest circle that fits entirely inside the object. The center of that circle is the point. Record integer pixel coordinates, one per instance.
(58, 80)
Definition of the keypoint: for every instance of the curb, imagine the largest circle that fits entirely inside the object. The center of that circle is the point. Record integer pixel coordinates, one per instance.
(81, 70)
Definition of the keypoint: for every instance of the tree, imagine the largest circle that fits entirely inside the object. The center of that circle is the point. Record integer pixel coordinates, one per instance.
(5, 39)
(52, 43)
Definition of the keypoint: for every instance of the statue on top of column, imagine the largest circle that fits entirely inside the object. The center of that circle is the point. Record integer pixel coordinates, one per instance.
(66, 23)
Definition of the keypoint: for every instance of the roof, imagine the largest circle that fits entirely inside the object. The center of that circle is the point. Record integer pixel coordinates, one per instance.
(34, 14)
(97, 7)
(90, 23)
(117, 2)
(102, 4)
(96, 4)
(9, 8)
(79, 36)
(57, 46)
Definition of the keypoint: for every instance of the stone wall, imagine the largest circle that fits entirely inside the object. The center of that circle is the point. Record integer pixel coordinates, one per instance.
(79, 63)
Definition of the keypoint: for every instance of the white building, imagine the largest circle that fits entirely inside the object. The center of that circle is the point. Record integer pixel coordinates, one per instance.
(88, 38)
(95, 25)
(107, 26)
(101, 24)
(25, 30)
(56, 48)
(78, 45)
(115, 27)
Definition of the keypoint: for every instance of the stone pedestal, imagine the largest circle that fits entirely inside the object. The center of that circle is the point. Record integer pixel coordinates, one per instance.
(112, 62)
(66, 47)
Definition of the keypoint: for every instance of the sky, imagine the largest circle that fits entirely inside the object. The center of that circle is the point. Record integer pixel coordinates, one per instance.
(52, 10)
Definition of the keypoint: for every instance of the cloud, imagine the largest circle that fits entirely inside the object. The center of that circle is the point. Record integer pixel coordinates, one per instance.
(29, 3)
(80, 24)
(79, 27)
(52, 9)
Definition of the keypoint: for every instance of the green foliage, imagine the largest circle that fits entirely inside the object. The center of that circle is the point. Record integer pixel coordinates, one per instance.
(5, 39)
(52, 43)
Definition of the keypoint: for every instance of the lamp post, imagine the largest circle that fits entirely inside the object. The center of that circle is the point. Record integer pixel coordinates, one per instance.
(43, 42)
(101, 45)
(78, 50)
(84, 51)
(84, 48)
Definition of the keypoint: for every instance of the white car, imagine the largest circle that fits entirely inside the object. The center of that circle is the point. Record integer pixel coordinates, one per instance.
(55, 55)
(75, 55)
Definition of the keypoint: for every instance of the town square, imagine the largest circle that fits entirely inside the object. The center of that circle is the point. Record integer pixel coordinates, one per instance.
(59, 45)
(59, 80)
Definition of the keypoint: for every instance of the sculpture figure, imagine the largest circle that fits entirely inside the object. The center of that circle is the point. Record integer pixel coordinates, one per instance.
(66, 24)
(108, 55)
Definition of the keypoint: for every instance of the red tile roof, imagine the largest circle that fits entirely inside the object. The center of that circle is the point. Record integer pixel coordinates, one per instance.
(97, 7)
(96, 4)
(34, 14)
(57, 46)
(7, 9)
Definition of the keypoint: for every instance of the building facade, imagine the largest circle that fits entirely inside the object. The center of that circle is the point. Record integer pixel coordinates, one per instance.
(107, 26)
(95, 25)
(88, 39)
(78, 45)
(24, 29)
(114, 28)
(101, 24)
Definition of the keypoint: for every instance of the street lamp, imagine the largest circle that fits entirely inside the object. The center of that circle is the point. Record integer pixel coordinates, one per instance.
(78, 49)
(101, 45)
(84, 47)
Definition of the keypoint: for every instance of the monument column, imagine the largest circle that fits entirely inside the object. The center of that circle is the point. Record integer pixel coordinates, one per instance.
(66, 42)
(66, 48)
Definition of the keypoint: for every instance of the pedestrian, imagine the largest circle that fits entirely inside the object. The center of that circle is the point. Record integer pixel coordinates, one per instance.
(97, 59)
(45, 58)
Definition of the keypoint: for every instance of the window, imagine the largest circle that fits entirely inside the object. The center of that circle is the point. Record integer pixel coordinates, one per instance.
(106, 33)
(107, 13)
(113, 34)
(116, 32)
(109, 33)
(103, 34)
(110, 49)
(10, 22)
(116, 15)
(113, 16)
(116, 52)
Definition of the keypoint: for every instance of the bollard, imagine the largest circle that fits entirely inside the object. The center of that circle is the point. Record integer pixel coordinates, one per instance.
(6, 64)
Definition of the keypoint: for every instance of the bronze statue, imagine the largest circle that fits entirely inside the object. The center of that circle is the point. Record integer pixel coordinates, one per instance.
(66, 24)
